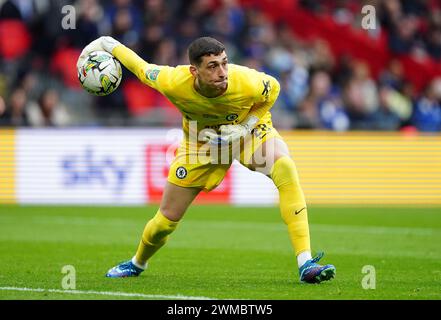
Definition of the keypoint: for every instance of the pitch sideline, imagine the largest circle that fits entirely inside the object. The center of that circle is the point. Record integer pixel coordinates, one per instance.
(107, 293)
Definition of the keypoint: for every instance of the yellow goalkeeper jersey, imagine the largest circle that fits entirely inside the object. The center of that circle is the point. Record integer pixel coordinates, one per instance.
(249, 92)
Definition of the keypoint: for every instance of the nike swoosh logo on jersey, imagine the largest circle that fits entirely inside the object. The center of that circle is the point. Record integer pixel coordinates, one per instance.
(298, 211)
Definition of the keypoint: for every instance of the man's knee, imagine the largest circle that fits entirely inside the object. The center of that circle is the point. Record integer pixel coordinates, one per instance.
(158, 228)
(171, 213)
(284, 172)
(267, 155)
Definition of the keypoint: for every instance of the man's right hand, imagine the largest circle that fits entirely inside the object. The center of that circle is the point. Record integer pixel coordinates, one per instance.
(101, 44)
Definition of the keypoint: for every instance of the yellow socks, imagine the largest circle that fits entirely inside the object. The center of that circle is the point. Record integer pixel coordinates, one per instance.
(292, 204)
(155, 235)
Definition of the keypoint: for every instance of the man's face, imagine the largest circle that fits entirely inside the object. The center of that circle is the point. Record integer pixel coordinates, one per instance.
(213, 71)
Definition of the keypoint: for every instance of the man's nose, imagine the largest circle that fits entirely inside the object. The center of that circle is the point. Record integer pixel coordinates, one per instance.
(222, 72)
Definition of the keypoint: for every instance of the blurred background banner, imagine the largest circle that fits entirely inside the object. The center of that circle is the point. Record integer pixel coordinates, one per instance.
(7, 167)
(129, 166)
(368, 167)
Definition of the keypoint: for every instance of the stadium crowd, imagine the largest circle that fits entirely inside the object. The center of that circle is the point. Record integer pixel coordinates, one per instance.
(38, 85)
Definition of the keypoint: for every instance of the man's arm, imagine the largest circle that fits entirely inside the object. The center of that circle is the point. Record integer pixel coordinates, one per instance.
(270, 90)
(129, 59)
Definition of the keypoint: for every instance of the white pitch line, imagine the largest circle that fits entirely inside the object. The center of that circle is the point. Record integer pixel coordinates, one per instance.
(108, 293)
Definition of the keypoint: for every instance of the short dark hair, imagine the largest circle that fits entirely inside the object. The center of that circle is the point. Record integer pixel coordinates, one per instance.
(204, 46)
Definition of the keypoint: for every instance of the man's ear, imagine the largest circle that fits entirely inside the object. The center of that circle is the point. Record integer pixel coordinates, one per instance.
(193, 70)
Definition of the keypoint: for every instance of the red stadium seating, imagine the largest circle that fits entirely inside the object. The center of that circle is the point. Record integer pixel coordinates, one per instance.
(138, 97)
(15, 39)
(141, 100)
(67, 57)
(346, 40)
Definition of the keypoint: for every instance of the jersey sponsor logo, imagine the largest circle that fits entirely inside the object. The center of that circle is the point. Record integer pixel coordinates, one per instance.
(266, 87)
(298, 211)
(232, 117)
(152, 74)
(181, 172)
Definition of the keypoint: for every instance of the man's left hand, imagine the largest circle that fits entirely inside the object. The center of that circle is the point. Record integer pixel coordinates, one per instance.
(233, 132)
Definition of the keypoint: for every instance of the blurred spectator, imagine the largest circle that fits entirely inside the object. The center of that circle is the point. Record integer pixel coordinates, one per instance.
(427, 112)
(47, 111)
(15, 114)
(394, 110)
(2, 107)
(123, 27)
(393, 75)
(46, 27)
(235, 16)
(197, 10)
(9, 10)
(295, 87)
(415, 7)
(111, 110)
(151, 36)
(226, 23)
(320, 56)
(333, 114)
(90, 14)
(322, 107)
(166, 53)
(403, 35)
(390, 12)
(259, 35)
(188, 30)
(343, 12)
(360, 97)
(434, 43)
(158, 11)
(125, 19)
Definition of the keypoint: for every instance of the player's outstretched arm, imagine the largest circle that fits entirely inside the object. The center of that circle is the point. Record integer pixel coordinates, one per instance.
(125, 55)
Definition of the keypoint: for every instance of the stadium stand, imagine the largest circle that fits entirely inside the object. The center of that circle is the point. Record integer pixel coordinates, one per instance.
(334, 74)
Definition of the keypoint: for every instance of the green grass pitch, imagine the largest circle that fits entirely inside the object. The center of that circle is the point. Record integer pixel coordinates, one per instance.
(219, 252)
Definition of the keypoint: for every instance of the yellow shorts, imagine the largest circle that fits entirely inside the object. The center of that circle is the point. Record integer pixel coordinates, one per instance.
(205, 168)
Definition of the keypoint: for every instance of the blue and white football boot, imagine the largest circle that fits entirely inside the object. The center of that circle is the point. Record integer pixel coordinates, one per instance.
(124, 269)
(311, 272)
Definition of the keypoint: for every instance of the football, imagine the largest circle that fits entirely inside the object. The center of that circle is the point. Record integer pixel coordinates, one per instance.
(100, 74)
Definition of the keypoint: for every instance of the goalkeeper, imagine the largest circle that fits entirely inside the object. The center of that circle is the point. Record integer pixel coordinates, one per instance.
(225, 110)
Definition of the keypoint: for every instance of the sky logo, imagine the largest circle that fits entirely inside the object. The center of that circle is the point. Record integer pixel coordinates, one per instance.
(89, 170)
